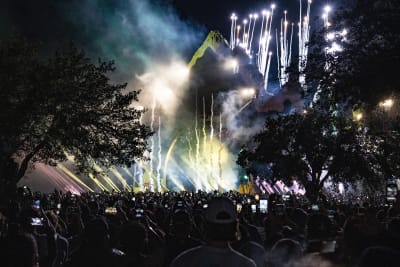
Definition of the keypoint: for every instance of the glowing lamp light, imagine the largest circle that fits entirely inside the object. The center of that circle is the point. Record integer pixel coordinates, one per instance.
(264, 12)
(273, 6)
(359, 116)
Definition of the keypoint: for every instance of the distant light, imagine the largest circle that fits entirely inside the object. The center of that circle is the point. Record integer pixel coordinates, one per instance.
(248, 92)
(330, 36)
(388, 103)
(344, 32)
(327, 9)
(264, 12)
(273, 6)
(359, 116)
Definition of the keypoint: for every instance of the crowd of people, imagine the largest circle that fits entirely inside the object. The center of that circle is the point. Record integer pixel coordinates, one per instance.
(194, 229)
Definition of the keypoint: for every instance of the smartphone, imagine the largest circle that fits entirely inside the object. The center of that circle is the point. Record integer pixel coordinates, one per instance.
(248, 200)
(239, 207)
(59, 206)
(264, 206)
(133, 199)
(111, 210)
(139, 213)
(257, 197)
(391, 193)
(36, 204)
(253, 208)
(314, 208)
(36, 221)
(205, 206)
(180, 203)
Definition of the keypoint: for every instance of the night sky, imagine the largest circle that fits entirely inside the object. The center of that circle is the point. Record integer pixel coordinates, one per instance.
(109, 29)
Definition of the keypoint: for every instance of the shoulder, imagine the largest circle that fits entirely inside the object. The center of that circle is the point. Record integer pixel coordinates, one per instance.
(186, 256)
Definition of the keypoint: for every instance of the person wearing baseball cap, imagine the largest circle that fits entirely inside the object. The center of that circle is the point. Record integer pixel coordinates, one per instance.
(220, 227)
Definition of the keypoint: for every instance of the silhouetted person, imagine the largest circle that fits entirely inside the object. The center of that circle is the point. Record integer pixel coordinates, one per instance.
(220, 228)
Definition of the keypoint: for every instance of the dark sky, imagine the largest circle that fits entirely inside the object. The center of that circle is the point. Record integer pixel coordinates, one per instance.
(134, 33)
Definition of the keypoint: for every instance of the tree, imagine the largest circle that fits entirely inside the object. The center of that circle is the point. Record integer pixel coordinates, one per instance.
(63, 105)
(364, 70)
(311, 148)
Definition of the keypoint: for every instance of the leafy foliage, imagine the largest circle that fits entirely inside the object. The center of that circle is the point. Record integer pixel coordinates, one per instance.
(64, 105)
(365, 71)
(310, 148)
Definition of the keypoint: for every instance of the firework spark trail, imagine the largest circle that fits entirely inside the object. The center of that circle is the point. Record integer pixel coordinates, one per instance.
(252, 32)
(152, 144)
(304, 36)
(105, 177)
(196, 128)
(285, 53)
(233, 31)
(263, 14)
(159, 156)
(267, 53)
(219, 152)
(267, 71)
(204, 139)
(244, 32)
(238, 35)
(190, 150)
(166, 161)
(211, 135)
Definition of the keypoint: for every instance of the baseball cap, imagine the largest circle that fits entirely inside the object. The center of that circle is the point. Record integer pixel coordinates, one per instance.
(221, 211)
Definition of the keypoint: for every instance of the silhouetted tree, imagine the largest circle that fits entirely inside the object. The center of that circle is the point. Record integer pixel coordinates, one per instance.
(63, 105)
(311, 148)
(365, 70)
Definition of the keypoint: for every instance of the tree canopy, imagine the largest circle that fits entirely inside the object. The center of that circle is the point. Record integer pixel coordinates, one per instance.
(63, 105)
(310, 148)
(363, 70)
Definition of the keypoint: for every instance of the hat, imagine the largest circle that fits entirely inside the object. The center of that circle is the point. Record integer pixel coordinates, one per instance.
(221, 210)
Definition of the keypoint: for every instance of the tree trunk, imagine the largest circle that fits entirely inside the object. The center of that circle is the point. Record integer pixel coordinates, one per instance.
(25, 162)
(312, 191)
